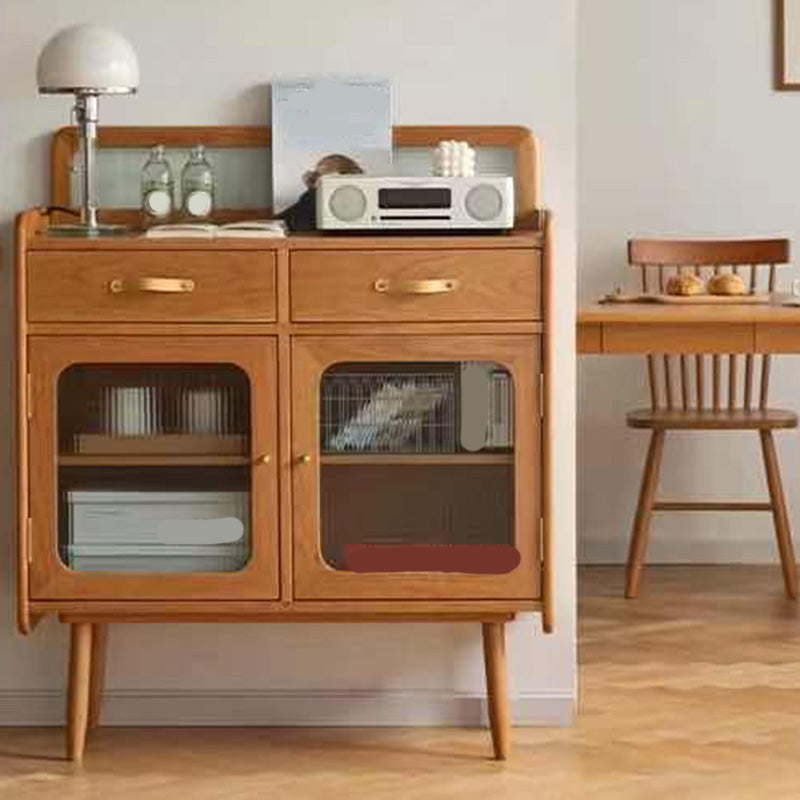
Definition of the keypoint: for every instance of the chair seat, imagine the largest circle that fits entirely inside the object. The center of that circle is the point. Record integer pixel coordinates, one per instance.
(737, 419)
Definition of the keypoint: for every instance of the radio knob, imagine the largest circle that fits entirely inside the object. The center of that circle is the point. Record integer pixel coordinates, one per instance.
(484, 202)
(348, 203)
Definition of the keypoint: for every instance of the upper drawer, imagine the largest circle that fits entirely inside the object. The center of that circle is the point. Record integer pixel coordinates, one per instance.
(158, 286)
(415, 285)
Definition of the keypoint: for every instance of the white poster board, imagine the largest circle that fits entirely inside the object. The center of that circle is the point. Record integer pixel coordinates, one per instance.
(328, 124)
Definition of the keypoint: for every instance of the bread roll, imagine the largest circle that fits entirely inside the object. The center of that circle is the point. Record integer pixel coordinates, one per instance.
(685, 285)
(727, 284)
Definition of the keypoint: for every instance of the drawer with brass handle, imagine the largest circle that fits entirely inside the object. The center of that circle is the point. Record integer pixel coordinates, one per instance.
(415, 285)
(154, 286)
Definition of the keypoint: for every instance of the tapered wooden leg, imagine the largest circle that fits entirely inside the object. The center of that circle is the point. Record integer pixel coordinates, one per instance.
(98, 672)
(494, 654)
(780, 513)
(80, 665)
(644, 513)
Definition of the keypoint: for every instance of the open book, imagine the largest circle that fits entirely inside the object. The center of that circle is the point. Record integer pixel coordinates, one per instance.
(247, 229)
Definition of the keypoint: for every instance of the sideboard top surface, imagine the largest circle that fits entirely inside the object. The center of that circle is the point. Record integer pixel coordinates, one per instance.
(520, 238)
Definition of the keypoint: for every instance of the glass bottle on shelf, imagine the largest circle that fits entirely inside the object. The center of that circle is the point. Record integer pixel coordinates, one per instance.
(158, 188)
(197, 185)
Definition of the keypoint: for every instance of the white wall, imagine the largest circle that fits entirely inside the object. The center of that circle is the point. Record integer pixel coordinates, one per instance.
(681, 134)
(208, 63)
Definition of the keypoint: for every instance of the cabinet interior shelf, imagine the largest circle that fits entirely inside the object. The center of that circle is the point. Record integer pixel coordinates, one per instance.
(412, 459)
(154, 460)
(171, 449)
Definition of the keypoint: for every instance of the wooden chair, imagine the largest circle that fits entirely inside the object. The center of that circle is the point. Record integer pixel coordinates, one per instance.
(683, 399)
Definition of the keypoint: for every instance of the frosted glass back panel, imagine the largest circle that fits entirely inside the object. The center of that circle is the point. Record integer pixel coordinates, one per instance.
(154, 468)
(244, 175)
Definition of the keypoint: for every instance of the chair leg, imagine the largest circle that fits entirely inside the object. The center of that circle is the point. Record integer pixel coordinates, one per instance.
(80, 664)
(644, 513)
(494, 654)
(780, 513)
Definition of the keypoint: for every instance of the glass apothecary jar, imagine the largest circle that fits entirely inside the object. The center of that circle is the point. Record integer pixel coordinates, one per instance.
(197, 185)
(157, 188)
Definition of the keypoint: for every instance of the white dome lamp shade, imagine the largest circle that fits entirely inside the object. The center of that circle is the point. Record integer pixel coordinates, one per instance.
(88, 61)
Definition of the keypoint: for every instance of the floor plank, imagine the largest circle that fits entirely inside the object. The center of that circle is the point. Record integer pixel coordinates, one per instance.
(692, 691)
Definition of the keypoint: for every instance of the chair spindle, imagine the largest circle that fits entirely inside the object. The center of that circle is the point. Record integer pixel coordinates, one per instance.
(717, 369)
(766, 363)
(700, 380)
(685, 381)
(652, 381)
(668, 396)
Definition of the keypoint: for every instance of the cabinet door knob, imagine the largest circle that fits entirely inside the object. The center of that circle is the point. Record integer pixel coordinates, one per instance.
(304, 459)
(265, 459)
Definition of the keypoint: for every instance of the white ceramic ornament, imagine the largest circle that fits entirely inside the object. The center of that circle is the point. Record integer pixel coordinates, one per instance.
(454, 159)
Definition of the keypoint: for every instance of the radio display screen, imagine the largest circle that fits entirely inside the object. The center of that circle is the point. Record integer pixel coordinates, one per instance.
(414, 198)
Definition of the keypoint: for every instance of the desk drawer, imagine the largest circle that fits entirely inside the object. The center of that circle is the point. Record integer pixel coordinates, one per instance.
(159, 286)
(415, 285)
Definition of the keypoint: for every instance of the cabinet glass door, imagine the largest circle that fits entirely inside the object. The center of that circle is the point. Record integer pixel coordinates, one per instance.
(417, 464)
(154, 466)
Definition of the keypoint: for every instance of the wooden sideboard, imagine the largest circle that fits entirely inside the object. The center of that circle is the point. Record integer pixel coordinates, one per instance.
(248, 430)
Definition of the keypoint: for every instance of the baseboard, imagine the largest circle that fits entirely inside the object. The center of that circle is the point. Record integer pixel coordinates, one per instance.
(674, 551)
(288, 709)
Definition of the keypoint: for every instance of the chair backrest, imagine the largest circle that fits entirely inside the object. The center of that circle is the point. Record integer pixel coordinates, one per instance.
(756, 261)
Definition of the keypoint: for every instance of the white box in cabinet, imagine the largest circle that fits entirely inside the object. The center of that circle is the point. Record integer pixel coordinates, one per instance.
(157, 531)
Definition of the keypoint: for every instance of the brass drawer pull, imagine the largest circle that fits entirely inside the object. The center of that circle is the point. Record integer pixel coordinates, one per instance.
(155, 285)
(432, 286)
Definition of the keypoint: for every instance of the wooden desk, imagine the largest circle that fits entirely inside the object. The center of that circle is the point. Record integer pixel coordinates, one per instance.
(619, 329)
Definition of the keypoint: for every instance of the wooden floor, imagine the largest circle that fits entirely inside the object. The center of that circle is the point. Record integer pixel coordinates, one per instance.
(693, 691)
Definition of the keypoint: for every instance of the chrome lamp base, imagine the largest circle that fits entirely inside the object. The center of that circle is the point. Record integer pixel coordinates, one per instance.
(77, 230)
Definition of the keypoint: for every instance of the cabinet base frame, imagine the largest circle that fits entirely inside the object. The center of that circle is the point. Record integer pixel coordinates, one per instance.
(87, 665)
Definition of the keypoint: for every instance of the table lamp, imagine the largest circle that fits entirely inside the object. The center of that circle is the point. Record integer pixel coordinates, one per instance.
(88, 61)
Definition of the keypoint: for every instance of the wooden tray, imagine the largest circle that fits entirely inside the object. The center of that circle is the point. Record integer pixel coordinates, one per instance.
(693, 300)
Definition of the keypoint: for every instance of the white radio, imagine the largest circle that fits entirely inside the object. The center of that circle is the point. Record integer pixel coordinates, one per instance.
(363, 202)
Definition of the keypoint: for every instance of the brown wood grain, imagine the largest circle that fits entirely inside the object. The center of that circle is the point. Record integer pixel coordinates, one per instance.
(340, 286)
(548, 367)
(708, 252)
(680, 338)
(277, 610)
(79, 689)
(240, 313)
(26, 227)
(780, 513)
(75, 287)
(724, 419)
(314, 579)
(50, 579)
(519, 238)
(590, 338)
(98, 672)
(494, 653)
